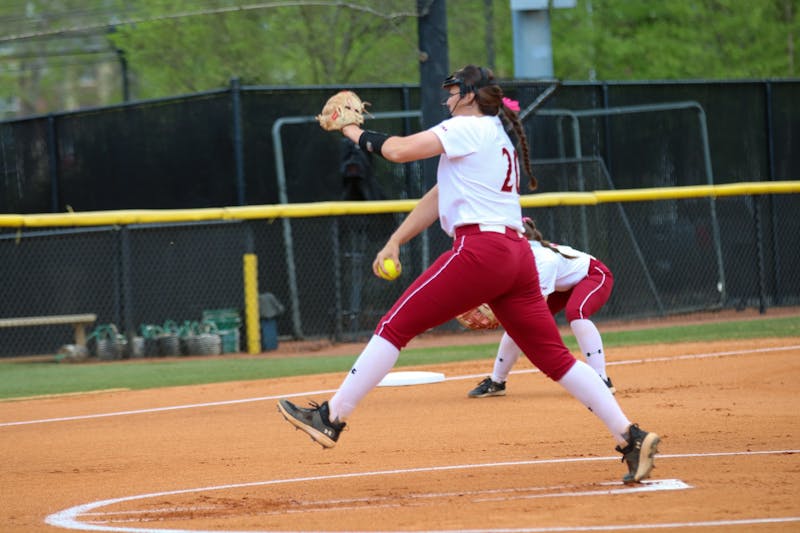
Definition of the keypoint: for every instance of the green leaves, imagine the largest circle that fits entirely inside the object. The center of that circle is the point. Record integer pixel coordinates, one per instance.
(679, 39)
(184, 46)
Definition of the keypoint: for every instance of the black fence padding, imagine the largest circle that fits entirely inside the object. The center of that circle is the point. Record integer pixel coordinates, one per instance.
(25, 172)
(181, 152)
(785, 120)
(176, 154)
(311, 156)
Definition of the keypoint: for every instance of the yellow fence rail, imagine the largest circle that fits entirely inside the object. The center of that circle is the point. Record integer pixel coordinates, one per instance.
(320, 209)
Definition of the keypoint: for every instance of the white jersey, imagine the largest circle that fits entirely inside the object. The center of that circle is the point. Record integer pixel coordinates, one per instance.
(556, 272)
(478, 174)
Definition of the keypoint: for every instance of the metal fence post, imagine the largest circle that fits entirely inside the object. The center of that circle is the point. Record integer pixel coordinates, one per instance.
(238, 148)
(127, 310)
(774, 226)
(759, 228)
(722, 283)
(52, 155)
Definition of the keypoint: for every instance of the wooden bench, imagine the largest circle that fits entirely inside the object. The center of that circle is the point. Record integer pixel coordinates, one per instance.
(79, 322)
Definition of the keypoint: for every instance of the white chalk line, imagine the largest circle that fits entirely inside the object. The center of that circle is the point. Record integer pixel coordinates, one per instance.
(71, 519)
(389, 502)
(162, 409)
(656, 359)
(331, 391)
(557, 529)
(68, 518)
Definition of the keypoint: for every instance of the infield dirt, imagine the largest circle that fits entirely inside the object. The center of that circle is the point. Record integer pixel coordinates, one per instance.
(420, 458)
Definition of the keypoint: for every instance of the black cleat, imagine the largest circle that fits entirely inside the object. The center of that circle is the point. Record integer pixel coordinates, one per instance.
(639, 454)
(314, 420)
(610, 386)
(487, 388)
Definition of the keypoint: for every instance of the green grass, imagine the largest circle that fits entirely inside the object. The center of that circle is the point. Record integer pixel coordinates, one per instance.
(20, 378)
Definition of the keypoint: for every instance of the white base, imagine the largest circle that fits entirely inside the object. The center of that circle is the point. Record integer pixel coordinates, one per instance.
(399, 379)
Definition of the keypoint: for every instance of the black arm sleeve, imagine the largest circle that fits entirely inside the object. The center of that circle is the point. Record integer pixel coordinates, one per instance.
(372, 141)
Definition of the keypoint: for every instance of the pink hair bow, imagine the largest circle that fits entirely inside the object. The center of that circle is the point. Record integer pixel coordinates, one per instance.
(513, 105)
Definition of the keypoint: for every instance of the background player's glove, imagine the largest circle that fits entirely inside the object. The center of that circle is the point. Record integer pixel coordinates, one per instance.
(341, 109)
(481, 317)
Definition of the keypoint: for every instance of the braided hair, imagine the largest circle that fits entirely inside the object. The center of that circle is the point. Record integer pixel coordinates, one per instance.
(533, 234)
(489, 98)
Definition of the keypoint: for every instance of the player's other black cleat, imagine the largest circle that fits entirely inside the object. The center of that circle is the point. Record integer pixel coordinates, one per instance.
(610, 386)
(639, 454)
(486, 388)
(314, 420)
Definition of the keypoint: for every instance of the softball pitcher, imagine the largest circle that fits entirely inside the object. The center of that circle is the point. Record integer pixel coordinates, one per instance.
(476, 200)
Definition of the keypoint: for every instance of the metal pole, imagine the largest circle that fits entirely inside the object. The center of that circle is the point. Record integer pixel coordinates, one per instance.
(123, 68)
(721, 284)
(288, 241)
(52, 155)
(607, 130)
(238, 148)
(774, 225)
(762, 306)
(576, 139)
(127, 288)
(337, 282)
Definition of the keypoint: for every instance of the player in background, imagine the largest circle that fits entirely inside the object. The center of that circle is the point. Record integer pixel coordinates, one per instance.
(571, 280)
(476, 200)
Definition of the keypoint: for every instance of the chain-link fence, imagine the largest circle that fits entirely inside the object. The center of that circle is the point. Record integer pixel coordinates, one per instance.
(259, 146)
(668, 256)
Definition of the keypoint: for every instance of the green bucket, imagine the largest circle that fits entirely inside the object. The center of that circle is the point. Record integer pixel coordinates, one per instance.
(227, 323)
(223, 318)
(230, 340)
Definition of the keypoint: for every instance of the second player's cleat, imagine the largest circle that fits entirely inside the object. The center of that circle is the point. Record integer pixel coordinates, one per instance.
(314, 420)
(610, 386)
(487, 388)
(639, 454)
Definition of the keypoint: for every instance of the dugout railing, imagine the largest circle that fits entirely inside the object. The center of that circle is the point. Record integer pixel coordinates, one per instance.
(139, 267)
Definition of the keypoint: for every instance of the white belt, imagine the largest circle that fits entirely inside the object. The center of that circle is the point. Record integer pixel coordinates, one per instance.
(493, 228)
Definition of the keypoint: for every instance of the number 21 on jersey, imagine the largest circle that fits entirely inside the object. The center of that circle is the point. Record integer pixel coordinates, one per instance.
(511, 183)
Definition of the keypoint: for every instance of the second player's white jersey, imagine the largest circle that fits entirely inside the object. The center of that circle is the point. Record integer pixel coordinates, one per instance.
(556, 272)
(478, 174)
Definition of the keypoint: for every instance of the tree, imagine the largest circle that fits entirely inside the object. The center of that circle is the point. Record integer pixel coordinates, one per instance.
(679, 39)
(49, 47)
(291, 44)
(43, 70)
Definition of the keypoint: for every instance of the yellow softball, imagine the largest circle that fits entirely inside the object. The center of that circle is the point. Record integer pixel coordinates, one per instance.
(392, 269)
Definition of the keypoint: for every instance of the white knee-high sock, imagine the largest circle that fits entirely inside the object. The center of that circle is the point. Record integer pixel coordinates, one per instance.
(585, 385)
(591, 344)
(377, 359)
(507, 354)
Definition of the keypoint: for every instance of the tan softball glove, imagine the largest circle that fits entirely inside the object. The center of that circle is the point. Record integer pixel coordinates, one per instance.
(341, 109)
(481, 317)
